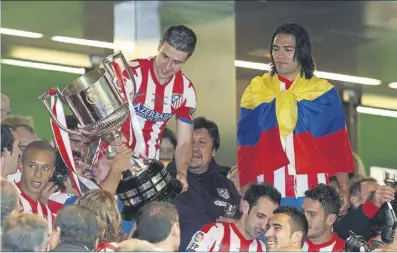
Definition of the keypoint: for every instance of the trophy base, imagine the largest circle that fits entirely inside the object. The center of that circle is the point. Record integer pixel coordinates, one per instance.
(154, 183)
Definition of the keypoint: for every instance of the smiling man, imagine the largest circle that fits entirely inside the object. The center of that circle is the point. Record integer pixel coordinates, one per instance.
(38, 160)
(287, 230)
(257, 207)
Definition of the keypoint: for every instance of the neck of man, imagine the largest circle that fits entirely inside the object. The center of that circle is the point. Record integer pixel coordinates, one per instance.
(166, 246)
(34, 196)
(293, 248)
(162, 81)
(291, 76)
(199, 170)
(240, 224)
(325, 237)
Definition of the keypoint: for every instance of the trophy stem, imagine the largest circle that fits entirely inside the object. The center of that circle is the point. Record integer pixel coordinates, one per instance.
(113, 139)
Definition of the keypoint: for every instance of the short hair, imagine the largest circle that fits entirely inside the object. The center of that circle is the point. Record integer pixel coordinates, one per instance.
(26, 127)
(78, 224)
(24, 232)
(7, 139)
(169, 134)
(265, 190)
(303, 48)
(212, 127)
(136, 245)
(327, 196)
(104, 205)
(71, 122)
(9, 199)
(181, 38)
(38, 145)
(355, 188)
(297, 220)
(13, 120)
(154, 221)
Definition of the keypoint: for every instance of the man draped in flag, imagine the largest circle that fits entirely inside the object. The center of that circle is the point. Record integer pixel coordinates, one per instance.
(292, 130)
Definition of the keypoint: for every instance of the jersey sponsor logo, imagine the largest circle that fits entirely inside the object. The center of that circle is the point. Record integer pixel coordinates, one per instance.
(176, 100)
(199, 237)
(220, 203)
(224, 193)
(148, 114)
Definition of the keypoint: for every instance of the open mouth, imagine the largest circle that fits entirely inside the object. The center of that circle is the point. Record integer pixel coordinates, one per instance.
(36, 184)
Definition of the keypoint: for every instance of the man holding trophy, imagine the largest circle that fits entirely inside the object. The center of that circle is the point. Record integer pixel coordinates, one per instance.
(127, 105)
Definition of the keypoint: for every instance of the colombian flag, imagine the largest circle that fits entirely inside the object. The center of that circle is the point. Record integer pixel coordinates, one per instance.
(310, 110)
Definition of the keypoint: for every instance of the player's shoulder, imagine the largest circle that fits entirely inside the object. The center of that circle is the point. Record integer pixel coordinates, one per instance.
(140, 62)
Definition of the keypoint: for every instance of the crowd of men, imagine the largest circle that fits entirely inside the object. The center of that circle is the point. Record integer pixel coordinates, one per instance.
(296, 186)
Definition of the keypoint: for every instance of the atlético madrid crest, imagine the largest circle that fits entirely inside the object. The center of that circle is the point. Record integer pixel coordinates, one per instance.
(224, 193)
(176, 100)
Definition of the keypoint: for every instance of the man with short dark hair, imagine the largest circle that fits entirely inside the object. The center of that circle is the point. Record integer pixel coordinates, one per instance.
(76, 229)
(10, 151)
(209, 192)
(287, 230)
(162, 91)
(321, 207)
(25, 232)
(257, 206)
(292, 127)
(158, 223)
(38, 160)
(360, 191)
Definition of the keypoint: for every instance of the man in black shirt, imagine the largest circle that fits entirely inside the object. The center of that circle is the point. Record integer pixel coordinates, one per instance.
(209, 192)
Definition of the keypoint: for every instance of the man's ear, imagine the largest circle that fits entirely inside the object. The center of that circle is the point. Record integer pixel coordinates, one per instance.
(297, 237)
(55, 238)
(244, 206)
(331, 218)
(354, 201)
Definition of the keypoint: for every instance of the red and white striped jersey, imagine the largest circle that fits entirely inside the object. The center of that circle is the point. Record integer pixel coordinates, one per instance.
(155, 103)
(28, 205)
(223, 237)
(285, 179)
(336, 244)
(106, 246)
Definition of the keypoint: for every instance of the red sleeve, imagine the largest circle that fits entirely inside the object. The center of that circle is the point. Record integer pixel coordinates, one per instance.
(370, 209)
(186, 111)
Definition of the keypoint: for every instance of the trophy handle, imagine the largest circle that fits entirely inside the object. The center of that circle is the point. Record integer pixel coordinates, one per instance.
(107, 62)
(43, 98)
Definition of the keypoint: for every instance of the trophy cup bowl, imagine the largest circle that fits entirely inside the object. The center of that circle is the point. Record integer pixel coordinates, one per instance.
(101, 109)
(148, 180)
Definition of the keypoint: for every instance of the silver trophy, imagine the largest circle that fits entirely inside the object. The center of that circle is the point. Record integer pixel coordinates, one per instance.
(100, 107)
(96, 103)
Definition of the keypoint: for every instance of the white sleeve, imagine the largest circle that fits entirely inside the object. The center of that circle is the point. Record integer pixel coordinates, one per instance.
(205, 238)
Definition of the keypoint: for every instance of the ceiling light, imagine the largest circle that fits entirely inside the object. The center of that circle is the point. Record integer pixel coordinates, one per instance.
(321, 74)
(43, 66)
(393, 85)
(376, 111)
(20, 33)
(51, 56)
(93, 43)
(251, 65)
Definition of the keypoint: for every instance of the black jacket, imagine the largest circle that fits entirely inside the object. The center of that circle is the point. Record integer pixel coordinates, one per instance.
(204, 200)
(357, 220)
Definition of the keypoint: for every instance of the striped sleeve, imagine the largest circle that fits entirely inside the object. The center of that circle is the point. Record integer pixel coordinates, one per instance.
(205, 238)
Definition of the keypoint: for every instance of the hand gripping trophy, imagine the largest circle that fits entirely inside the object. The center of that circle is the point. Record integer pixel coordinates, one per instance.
(101, 106)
